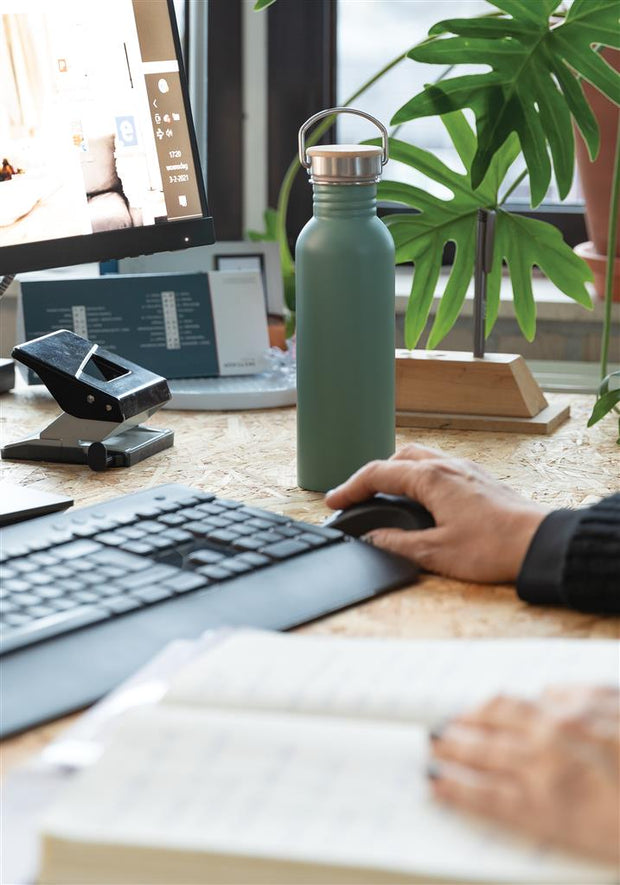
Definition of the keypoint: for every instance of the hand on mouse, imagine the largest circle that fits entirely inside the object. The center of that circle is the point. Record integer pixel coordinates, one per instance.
(483, 528)
(549, 768)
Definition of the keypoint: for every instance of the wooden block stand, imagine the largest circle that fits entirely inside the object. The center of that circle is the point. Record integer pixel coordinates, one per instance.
(453, 390)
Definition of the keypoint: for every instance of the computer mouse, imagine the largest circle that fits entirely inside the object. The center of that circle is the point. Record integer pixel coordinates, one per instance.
(381, 512)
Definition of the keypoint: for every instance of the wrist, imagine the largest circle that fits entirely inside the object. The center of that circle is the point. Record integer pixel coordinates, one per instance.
(521, 532)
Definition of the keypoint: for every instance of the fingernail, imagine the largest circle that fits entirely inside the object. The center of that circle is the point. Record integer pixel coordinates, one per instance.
(433, 771)
(368, 539)
(437, 731)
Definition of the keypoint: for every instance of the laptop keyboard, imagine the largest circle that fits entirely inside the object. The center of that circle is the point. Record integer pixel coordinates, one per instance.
(99, 563)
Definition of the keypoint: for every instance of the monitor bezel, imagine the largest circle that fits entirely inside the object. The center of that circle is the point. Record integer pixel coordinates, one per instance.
(128, 242)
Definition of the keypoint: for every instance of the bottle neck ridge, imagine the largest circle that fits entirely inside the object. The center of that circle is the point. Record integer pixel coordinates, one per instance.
(344, 201)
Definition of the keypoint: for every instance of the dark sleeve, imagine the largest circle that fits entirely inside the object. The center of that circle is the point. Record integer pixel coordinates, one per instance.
(574, 559)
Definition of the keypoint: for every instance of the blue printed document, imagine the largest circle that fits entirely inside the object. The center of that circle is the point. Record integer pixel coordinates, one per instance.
(191, 325)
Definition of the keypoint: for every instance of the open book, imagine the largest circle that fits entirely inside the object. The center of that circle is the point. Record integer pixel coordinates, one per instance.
(276, 758)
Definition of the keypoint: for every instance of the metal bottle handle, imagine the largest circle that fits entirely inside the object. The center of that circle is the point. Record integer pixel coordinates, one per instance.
(333, 111)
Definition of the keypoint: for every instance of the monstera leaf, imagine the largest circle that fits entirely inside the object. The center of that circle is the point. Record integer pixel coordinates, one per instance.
(521, 242)
(533, 87)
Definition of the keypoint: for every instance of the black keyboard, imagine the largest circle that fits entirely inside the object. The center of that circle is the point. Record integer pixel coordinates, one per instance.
(88, 596)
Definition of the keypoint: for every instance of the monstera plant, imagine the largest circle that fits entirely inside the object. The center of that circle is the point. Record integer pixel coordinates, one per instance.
(526, 102)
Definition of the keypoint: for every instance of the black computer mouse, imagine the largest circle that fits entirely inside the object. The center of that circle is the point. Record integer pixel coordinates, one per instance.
(381, 512)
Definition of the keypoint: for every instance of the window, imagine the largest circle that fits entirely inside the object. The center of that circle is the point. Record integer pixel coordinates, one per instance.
(373, 32)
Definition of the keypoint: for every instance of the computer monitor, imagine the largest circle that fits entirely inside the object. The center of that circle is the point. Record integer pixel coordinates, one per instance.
(97, 148)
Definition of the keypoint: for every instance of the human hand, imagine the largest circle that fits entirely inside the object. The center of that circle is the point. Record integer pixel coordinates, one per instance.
(483, 528)
(548, 768)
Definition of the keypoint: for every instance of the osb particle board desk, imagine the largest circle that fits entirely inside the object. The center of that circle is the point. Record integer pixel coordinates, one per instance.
(250, 456)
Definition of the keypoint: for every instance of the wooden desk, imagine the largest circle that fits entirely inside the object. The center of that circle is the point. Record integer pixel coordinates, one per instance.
(250, 456)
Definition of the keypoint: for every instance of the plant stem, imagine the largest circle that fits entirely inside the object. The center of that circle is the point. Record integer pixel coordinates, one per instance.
(513, 186)
(287, 182)
(611, 256)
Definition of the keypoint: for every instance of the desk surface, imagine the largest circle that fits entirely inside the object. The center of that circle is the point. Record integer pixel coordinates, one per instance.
(250, 456)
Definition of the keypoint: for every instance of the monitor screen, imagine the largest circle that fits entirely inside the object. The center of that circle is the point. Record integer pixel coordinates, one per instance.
(97, 149)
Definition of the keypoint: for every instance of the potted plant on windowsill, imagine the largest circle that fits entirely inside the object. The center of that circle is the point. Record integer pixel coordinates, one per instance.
(525, 104)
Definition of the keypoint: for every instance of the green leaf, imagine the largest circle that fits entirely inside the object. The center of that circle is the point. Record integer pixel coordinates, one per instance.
(521, 242)
(535, 11)
(603, 405)
(262, 4)
(270, 217)
(533, 86)
(606, 399)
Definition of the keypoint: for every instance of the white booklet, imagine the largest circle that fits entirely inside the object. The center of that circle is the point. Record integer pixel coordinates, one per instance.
(280, 758)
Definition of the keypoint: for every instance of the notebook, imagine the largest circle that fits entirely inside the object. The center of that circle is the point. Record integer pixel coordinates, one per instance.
(279, 758)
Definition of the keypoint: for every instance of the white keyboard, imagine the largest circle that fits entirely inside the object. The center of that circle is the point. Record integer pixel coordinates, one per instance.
(264, 391)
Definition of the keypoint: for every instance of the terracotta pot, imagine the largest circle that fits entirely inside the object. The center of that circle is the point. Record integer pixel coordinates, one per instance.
(277, 335)
(596, 179)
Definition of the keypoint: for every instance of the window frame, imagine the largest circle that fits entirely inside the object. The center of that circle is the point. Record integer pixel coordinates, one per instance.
(319, 79)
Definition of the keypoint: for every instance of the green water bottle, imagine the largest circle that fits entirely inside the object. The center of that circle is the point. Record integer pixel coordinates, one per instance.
(344, 269)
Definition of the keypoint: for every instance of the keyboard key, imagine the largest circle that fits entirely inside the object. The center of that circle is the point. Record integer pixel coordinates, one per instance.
(159, 542)
(323, 531)
(312, 539)
(60, 571)
(262, 514)
(25, 600)
(121, 604)
(138, 547)
(172, 519)
(76, 549)
(38, 579)
(111, 539)
(199, 529)
(86, 596)
(256, 560)
(45, 628)
(132, 533)
(145, 512)
(235, 517)
(229, 505)
(7, 607)
(151, 594)
(191, 513)
(186, 581)
(284, 549)
(111, 571)
(43, 559)
(222, 536)
(69, 585)
(179, 536)
(16, 585)
(289, 531)
(81, 565)
(238, 565)
(120, 559)
(7, 573)
(211, 509)
(16, 620)
(24, 566)
(151, 527)
(147, 576)
(41, 611)
(49, 592)
(215, 572)
(205, 557)
(268, 537)
(247, 544)
(259, 524)
(244, 529)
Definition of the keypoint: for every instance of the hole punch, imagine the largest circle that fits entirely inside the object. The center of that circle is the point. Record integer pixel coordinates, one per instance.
(104, 400)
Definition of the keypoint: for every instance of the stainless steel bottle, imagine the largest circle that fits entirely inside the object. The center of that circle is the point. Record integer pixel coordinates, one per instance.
(344, 267)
